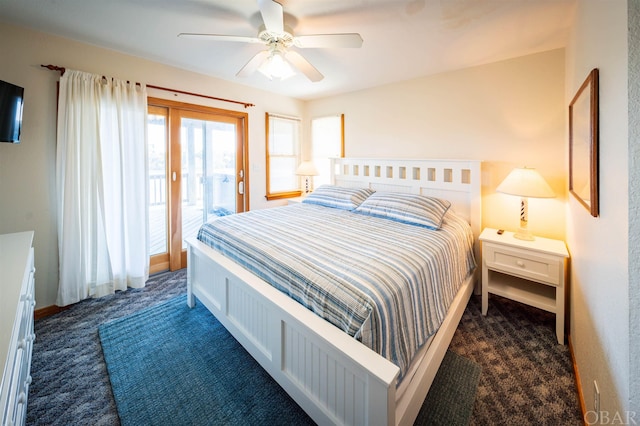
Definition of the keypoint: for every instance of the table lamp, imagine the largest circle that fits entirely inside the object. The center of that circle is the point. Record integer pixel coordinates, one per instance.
(306, 169)
(525, 182)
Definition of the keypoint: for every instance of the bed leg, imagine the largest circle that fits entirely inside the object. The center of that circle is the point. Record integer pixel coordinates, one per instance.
(191, 299)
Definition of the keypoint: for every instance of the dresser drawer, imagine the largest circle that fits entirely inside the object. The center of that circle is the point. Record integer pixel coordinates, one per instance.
(523, 263)
(16, 322)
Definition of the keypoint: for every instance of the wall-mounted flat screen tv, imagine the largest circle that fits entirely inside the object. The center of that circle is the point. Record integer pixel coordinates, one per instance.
(10, 112)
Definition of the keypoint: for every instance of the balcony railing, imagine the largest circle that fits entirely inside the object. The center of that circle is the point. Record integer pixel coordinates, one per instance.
(158, 188)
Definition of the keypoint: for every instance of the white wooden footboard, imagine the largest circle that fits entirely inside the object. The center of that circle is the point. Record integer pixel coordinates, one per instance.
(334, 378)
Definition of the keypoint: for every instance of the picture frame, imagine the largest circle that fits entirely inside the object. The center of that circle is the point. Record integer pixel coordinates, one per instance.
(583, 144)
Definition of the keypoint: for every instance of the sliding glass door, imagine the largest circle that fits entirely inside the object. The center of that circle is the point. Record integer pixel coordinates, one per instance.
(196, 172)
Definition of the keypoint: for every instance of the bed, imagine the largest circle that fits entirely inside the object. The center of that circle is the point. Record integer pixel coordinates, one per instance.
(328, 366)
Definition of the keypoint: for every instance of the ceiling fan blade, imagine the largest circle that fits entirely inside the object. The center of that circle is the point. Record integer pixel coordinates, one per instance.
(272, 15)
(304, 66)
(253, 64)
(329, 40)
(220, 37)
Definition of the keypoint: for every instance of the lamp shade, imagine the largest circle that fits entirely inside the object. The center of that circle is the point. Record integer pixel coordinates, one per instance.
(307, 168)
(526, 182)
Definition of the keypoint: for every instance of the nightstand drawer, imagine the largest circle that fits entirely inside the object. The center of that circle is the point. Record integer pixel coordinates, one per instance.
(523, 263)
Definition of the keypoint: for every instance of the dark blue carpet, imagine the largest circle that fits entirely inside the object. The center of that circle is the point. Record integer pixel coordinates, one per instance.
(171, 365)
(527, 378)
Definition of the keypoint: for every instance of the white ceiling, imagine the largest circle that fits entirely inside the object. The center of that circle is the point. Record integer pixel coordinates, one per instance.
(403, 39)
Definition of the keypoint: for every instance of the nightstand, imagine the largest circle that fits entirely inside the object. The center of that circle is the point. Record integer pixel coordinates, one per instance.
(295, 200)
(529, 272)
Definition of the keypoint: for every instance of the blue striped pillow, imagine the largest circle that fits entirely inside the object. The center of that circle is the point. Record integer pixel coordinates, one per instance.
(338, 197)
(413, 209)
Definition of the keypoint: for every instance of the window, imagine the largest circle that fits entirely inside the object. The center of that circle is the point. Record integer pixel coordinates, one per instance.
(283, 156)
(327, 141)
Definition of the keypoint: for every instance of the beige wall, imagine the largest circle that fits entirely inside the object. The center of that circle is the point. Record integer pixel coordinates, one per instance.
(633, 41)
(508, 114)
(27, 170)
(599, 246)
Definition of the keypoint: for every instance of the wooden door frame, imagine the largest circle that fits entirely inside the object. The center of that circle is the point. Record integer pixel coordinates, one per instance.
(176, 258)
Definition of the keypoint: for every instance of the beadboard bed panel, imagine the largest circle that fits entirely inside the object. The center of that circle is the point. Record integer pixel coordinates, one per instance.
(333, 377)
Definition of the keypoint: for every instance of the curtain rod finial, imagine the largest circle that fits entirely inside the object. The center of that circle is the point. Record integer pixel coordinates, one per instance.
(54, 68)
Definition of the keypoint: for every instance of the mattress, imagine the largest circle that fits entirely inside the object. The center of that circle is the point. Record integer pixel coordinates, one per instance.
(387, 284)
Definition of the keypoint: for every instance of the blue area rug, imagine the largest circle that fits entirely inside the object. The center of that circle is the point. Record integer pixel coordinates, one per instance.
(171, 365)
(452, 394)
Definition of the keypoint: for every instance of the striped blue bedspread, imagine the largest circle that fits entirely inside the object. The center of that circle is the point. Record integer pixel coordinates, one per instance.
(385, 283)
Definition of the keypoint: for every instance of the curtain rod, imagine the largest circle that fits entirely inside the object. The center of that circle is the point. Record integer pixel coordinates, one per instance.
(166, 89)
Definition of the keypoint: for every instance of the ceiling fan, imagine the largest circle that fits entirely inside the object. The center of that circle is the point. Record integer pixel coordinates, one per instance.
(276, 60)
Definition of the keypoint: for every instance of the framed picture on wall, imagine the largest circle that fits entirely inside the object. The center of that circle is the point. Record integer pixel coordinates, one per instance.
(583, 144)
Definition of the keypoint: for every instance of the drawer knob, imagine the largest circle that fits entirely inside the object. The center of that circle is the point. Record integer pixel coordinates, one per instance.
(520, 263)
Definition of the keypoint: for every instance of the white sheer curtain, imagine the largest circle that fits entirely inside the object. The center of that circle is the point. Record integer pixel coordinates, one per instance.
(101, 179)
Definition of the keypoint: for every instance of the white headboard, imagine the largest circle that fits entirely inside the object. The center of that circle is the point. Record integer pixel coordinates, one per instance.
(455, 180)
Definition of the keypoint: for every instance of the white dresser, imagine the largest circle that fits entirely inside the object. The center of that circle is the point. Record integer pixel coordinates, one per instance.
(17, 303)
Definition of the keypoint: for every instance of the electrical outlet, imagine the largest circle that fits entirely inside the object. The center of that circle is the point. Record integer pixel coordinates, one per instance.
(596, 401)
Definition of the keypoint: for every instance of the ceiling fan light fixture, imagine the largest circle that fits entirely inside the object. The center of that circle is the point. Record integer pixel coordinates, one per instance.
(277, 62)
(276, 67)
